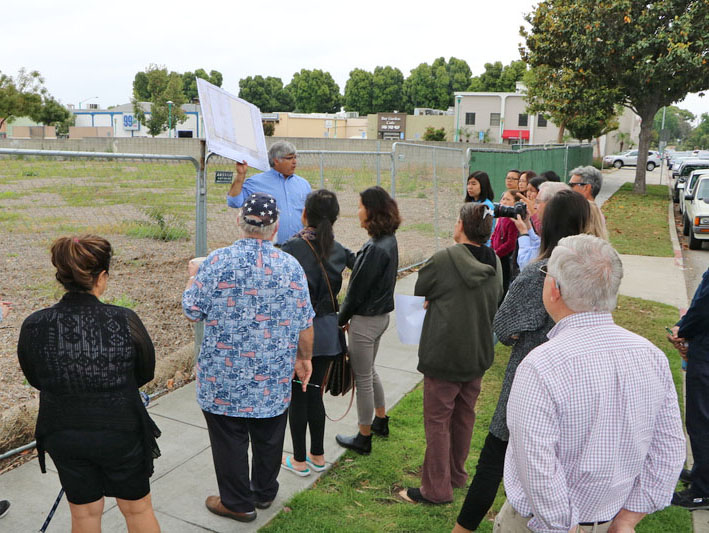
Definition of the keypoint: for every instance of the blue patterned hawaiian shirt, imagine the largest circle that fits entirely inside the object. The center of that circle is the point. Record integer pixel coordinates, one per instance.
(254, 301)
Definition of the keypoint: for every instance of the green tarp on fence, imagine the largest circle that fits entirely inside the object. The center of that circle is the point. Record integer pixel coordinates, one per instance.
(560, 159)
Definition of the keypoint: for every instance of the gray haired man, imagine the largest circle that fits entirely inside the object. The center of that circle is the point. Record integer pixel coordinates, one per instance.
(586, 180)
(281, 182)
(596, 438)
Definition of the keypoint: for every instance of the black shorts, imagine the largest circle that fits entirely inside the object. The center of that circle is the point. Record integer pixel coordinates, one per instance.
(97, 463)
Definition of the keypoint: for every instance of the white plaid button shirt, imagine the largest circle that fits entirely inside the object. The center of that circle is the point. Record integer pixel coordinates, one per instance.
(594, 426)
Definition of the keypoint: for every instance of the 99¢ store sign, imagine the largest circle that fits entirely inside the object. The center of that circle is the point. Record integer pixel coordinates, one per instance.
(130, 122)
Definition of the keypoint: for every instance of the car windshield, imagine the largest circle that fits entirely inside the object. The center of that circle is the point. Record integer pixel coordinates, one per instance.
(703, 190)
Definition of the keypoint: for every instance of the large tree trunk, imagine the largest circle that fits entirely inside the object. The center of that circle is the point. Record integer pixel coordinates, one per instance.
(646, 117)
(560, 137)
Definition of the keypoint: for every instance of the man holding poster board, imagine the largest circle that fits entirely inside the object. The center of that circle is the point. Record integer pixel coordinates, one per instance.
(281, 182)
(234, 130)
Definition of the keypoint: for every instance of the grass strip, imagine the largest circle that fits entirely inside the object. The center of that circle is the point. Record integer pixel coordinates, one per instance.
(638, 224)
(358, 493)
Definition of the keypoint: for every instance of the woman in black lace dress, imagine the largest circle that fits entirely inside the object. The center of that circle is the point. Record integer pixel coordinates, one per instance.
(88, 359)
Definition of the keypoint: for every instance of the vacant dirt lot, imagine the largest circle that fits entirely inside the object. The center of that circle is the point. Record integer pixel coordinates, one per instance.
(42, 199)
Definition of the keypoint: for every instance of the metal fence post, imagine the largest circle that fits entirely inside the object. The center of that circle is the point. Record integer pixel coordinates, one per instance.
(393, 170)
(322, 172)
(379, 158)
(201, 228)
(436, 225)
(566, 163)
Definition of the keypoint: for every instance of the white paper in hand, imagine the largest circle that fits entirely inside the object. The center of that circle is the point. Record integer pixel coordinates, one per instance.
(409, 317)
(232, 126)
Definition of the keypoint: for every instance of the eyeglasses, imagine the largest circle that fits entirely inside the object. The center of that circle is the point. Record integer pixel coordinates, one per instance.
(544, 269)
(511, 178)
(579, 183)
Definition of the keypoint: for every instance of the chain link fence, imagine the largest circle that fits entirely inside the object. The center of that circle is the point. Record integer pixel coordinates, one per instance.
(143, 204)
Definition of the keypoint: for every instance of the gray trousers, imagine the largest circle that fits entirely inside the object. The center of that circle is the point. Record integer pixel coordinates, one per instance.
(363, 343)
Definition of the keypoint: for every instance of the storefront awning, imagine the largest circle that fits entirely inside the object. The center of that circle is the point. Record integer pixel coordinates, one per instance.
(515, 134)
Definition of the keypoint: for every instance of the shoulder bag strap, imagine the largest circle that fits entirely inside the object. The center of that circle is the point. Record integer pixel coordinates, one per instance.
(334, 308)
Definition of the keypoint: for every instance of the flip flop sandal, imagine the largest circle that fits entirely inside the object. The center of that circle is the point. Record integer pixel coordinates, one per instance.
(287, 465)
(414, 496)
(316, 468)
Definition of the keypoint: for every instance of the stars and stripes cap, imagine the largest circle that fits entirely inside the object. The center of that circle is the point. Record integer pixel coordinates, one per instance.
(259, 209)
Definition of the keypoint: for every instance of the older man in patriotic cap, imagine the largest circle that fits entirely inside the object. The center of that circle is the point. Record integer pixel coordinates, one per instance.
(255, 304)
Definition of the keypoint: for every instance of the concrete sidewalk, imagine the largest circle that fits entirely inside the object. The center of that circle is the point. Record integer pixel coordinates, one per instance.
(184, 475)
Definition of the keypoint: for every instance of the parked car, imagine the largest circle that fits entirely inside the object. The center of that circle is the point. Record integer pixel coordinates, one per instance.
(681, 174)
(696, 219)
(689, 186)
(630, 159)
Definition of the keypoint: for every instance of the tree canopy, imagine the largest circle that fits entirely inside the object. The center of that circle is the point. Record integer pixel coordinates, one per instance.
(678, 126)
(387, 90)
(649, 54)
(698, 139)
(266, 93)
(162, 87)
(21, 96)
(359, 91)
(497, 78)
(189, 81)
(314, 91)
(143, 93)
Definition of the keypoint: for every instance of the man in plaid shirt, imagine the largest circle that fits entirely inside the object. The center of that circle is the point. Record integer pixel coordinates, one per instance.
(596, 439)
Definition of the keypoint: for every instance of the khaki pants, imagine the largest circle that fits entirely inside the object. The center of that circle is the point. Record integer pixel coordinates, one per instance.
(510, 521)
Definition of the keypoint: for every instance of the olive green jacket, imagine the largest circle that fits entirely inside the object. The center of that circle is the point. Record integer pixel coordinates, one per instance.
(463, 295)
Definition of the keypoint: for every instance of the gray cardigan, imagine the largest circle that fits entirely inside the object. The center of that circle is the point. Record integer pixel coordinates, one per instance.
(521, 314)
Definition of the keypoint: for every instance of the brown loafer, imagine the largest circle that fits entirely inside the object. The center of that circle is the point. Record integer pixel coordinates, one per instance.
(215, 505)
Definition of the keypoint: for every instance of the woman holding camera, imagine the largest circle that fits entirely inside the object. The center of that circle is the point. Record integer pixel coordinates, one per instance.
(88, 359)
(365, 312)
(504, 240)
(522, 322)
(320, 255)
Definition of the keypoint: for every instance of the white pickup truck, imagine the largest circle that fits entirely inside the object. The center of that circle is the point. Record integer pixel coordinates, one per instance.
(696, 214)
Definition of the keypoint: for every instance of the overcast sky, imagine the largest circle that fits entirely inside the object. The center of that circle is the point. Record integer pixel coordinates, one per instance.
(86, 49)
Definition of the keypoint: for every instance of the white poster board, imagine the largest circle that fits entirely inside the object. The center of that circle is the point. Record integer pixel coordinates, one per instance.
(232, 126)
(409, 317)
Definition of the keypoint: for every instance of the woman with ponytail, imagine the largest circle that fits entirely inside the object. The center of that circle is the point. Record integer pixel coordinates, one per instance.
(318, 253)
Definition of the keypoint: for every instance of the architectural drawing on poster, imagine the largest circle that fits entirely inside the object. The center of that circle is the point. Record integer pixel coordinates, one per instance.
(232, 126)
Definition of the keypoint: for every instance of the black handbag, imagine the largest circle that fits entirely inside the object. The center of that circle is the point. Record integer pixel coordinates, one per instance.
(339, 378)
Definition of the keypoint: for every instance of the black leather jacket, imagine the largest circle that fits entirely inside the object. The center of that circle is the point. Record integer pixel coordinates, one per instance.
(340, 257)
(371, 288)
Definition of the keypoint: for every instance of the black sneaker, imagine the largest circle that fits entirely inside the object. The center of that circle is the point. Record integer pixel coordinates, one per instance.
(685, 476)
(4, 507)
(689, 500)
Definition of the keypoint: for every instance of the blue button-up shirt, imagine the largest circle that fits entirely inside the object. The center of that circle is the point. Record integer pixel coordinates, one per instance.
(254, 300)
(290, 194)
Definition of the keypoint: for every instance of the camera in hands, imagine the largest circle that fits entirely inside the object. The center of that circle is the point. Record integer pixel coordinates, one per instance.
(510, 211)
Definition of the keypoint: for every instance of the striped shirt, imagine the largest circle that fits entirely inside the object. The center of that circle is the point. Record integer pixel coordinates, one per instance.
(594, 426)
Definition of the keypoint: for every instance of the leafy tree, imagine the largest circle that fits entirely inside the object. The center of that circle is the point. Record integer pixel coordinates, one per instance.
(140, 87)
(268, 128)
(497, 78)
(427, 86)
(358, 92)
(624, 139)
(699, 138)
(459, 75)
(434, 134)
(265, 93)
(21, 96)
(387, 90)
(587, 112)
(162, 87)
(52, 113)
(678, 125)
(314, 91)
(650, 54)
(189, 81)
